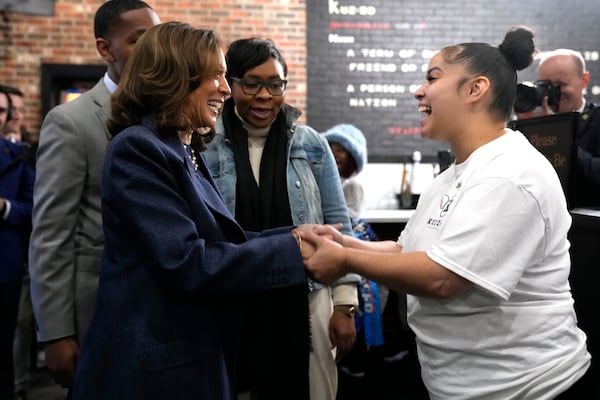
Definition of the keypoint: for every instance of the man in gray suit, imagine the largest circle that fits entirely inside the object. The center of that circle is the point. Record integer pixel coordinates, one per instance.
(67, 238)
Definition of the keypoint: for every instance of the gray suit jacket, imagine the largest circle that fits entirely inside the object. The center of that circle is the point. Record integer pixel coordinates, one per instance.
(67, 238)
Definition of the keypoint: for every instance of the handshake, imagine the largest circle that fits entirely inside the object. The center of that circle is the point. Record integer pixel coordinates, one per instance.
(322, 250)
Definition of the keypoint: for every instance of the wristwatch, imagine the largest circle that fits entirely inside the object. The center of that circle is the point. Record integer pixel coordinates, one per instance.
(349, 310)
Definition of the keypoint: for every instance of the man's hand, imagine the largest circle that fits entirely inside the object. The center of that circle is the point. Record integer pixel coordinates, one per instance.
(542, 110)
(61, 359)
(545, 108)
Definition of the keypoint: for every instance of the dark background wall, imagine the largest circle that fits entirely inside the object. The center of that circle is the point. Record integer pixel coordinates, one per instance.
(365, 59)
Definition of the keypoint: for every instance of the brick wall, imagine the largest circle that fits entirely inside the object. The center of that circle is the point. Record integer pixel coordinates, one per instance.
(28, 41)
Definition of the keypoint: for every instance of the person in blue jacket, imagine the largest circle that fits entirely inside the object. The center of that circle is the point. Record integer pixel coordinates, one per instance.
(274, 171)
(16, 201)
(178, 270)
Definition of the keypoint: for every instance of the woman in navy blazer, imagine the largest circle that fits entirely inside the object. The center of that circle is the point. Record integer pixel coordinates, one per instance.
(176, 268)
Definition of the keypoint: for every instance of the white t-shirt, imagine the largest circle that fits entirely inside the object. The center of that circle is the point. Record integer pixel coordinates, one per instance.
(499, 220)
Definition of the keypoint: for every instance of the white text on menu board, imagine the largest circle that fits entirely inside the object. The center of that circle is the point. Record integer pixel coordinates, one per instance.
(370, 60)
(336, 9)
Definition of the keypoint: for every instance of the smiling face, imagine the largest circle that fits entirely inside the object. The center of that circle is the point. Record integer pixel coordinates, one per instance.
(562, 70)
(441, 98)
(206, 101)
(261, 109)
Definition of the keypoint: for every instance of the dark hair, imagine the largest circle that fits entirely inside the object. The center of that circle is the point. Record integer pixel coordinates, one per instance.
(499, 64)
(245, 54)
(168, 62)
(11, 90)
(109, 15)
(5, 91)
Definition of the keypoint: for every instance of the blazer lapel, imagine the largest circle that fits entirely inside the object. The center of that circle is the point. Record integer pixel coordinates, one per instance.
(212, 196)
(202, 181)
(101, 97)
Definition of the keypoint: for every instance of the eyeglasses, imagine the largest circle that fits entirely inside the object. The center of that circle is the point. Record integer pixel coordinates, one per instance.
(251, 86)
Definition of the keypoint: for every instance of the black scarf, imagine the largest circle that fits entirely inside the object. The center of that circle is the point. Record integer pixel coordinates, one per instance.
(274, 353)
(265, 206)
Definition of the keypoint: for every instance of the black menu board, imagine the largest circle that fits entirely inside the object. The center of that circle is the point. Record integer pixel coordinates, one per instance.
(366, 58)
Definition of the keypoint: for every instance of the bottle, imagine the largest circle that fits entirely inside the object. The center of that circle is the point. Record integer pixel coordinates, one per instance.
(412, 182)
(405, 191)
(417, 174)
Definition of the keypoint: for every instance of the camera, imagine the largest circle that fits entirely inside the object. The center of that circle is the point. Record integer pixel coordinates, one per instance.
(530, 95)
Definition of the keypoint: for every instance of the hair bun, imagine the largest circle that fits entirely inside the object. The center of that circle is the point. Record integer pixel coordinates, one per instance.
(518, 47)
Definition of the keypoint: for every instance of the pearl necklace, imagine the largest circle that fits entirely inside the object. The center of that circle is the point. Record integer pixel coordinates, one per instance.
(192, 155)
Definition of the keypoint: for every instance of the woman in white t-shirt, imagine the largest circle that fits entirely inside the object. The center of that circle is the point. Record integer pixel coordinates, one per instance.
(485, 258)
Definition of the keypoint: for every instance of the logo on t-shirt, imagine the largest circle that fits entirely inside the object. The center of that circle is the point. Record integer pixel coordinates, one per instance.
(445, 205)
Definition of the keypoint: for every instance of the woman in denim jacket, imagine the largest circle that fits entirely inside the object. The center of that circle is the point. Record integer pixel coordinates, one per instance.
(272, 172)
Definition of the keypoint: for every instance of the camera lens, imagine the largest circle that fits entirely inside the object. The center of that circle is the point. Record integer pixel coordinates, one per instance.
(527, 96)
(530, 95)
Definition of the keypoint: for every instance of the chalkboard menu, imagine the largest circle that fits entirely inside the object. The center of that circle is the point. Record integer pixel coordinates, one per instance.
(366, 59)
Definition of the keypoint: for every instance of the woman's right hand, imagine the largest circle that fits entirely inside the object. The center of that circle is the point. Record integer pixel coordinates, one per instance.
(327, 262)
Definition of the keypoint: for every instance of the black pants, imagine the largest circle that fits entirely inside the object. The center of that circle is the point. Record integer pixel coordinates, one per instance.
(274, 354)
(10, 293)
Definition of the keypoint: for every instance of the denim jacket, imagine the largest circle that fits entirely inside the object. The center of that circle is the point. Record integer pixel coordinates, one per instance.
(314, 186)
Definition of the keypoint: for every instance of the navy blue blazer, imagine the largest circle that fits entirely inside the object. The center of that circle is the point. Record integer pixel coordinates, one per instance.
(175, 274)
(16, 185)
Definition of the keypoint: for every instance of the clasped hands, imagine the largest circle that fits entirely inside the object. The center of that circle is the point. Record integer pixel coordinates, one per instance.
(322, 251)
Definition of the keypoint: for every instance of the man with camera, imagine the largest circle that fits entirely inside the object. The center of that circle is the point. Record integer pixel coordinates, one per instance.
(563, 79)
